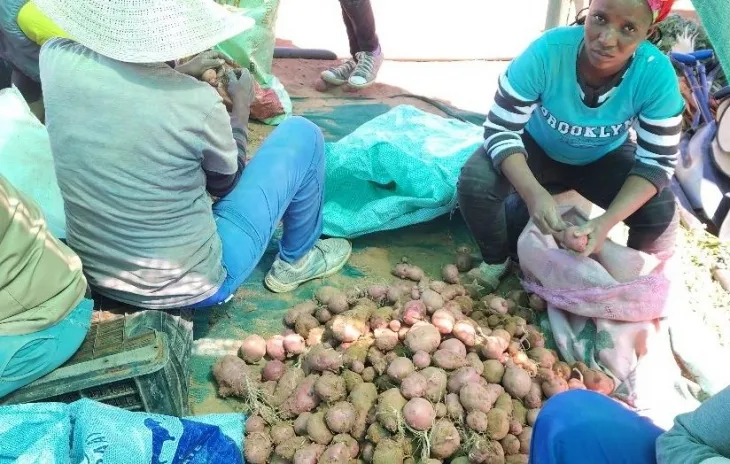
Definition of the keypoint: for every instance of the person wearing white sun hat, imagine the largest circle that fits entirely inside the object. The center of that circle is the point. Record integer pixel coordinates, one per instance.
(138, 146)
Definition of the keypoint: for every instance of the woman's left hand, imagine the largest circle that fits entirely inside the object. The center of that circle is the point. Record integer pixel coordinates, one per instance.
(202, 62)
(596, 230)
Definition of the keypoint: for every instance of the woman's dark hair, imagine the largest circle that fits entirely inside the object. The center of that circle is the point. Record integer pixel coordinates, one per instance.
(580, 19)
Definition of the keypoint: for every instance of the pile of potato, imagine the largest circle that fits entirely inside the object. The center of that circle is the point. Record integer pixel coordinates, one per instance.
(417, 371)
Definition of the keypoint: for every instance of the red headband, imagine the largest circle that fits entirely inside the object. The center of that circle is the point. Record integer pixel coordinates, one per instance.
(660, 9)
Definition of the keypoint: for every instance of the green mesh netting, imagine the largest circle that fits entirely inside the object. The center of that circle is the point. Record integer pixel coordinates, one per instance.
(715, 16)
(395, 170)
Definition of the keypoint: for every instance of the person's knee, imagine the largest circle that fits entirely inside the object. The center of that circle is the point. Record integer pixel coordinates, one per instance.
(306, 139)
(661, 209)
(583, 426)
(658, 217)
(302, 126)
(478, 178)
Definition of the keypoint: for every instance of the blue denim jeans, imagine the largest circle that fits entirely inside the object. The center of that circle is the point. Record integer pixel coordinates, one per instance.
(581, 426)
(283, 182)
(25, 358)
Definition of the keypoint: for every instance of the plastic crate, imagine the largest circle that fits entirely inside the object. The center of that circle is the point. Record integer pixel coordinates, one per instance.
(138, 362)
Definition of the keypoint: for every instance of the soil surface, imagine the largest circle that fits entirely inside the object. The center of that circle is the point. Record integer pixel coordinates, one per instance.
(396, 80)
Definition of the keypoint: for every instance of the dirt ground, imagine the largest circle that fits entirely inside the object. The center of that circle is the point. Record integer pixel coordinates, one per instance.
(467, 85)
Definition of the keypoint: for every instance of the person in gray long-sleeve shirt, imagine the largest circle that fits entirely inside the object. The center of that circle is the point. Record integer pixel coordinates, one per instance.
(699, 437)
(138, 146)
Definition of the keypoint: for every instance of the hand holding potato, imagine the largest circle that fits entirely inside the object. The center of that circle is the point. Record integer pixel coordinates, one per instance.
(595, 231)
(201, 63)
(544, 213)
(241, 88)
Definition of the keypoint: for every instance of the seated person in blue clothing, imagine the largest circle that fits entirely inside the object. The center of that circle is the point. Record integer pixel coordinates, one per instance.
(582, 426)
(561, 118)
(138, 147)
(44, 312)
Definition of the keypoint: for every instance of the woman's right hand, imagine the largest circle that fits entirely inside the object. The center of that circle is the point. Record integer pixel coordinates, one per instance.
(241, 89)
(544, 212)
(542, 206)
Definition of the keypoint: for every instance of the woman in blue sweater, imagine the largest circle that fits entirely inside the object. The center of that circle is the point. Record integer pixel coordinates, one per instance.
(561, 120)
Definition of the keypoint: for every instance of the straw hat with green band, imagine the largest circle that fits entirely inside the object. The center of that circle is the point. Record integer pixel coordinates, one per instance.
(145, 31)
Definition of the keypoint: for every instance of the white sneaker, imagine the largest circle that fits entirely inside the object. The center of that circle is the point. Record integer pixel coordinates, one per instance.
(327, 257)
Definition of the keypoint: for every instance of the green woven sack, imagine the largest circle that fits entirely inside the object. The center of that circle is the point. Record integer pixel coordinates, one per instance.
(395, 170)
(254, 49)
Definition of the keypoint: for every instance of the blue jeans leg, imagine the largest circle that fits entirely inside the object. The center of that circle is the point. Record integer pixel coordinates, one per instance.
(25, 358)
(581, 426)
(283, 182)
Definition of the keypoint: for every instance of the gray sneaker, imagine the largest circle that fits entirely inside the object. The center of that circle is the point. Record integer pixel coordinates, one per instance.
(338, 75)
(327, 257)
(368, 65)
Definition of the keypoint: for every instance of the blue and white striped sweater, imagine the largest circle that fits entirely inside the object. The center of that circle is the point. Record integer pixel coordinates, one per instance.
(544, 78)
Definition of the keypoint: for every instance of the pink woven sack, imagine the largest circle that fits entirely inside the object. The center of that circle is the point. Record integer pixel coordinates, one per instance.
(620, 284)
(609, 312)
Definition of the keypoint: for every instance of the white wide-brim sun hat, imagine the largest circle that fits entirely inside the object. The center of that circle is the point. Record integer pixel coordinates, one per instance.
(145, 31)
